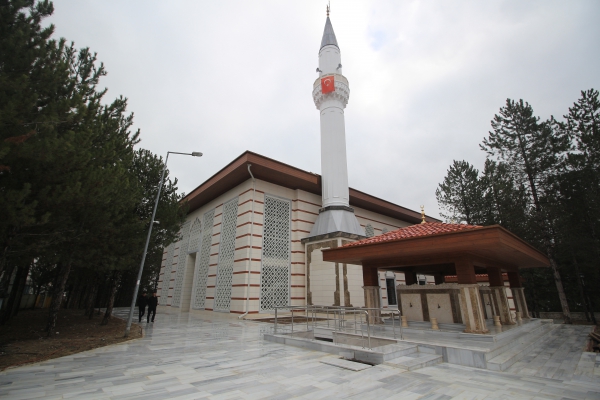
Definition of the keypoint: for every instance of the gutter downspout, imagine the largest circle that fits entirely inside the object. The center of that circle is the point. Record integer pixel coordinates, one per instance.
(250, 245)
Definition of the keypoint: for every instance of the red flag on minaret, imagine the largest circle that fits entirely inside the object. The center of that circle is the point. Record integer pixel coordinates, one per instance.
(327, 84)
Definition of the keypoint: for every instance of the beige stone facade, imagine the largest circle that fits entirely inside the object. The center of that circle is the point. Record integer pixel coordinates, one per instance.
(327, 283)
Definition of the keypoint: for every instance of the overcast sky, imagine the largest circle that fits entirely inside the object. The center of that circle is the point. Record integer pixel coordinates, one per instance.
(426, 78)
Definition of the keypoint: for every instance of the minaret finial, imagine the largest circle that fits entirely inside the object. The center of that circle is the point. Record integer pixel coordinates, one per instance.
(328, 6)
(422, 214)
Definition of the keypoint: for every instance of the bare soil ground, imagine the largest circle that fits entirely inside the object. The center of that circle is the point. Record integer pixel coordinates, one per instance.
(23, 340)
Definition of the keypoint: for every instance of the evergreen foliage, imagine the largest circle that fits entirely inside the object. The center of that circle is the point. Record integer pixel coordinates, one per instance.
(76, 196)
(540, 181)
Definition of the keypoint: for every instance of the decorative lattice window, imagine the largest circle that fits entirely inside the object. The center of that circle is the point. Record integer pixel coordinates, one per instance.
(276, 257)
(181, 261)
(385, 230)
(226, 256)
(202, 261)
(164, 292)
(195, 236)
(369, 231)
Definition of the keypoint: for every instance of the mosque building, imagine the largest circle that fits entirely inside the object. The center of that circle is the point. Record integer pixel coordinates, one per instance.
(255, 231)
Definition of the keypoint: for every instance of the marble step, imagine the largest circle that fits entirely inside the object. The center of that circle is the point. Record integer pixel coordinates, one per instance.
(507, 358)
(415, 361)
(525, 337)
(521, 341)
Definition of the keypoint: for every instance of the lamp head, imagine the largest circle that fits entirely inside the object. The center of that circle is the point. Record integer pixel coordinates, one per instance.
(196, 154)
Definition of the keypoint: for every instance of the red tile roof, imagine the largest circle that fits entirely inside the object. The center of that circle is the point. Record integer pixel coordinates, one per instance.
(414, 231)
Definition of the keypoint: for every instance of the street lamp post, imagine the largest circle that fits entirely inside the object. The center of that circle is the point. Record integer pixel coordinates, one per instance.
(139, 277)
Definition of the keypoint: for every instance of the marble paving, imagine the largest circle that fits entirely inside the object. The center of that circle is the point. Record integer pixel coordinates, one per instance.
(214, 356)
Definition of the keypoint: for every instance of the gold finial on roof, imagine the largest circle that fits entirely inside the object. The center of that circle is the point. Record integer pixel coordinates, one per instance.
(422, 214)
(328, 6)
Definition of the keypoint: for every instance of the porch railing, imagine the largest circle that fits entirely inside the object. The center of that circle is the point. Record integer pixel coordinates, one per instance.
(337, 320)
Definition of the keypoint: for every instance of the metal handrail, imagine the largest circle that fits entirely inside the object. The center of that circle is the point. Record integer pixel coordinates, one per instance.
(339, 319)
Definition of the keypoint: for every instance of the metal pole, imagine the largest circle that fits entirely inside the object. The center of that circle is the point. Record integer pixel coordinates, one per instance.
(306, 316)
(368, 329)
(139, 277)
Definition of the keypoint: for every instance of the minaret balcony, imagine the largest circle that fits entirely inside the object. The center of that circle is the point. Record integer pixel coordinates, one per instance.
(340, 94)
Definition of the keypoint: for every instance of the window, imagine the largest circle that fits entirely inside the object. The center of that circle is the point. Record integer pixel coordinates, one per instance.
(276, 258)
(369, 231)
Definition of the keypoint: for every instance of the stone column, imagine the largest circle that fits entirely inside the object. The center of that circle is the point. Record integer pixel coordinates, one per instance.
(372, 294)
(501, 307)
(498, 295)
(520, 302)
(516, 287)
(472, 309)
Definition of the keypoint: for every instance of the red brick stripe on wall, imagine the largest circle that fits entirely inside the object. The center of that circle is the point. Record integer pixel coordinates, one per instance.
(301, 220)
(308, 202)
(304, 211)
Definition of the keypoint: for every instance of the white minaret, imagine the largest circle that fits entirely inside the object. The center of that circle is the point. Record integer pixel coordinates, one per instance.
(331, 93)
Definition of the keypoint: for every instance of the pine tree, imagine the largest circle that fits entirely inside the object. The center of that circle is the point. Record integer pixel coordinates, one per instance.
(532, 152)
(460, 195)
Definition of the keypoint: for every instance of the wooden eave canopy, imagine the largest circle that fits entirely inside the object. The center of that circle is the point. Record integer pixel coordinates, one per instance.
(489, 246)
(285, 175)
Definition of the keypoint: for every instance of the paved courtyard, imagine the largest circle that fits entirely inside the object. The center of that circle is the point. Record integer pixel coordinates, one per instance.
(218, 357)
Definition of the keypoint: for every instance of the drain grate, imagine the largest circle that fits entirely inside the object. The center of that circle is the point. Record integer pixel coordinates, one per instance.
(346, 364)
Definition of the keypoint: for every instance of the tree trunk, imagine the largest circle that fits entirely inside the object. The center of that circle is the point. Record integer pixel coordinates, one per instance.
(534, 303)
(89, 308)
(57, 296)
(20, 289)
(5, 246)
(38, 290)
(73, 289)
(82, 296)
(114, 284)
(13, 298)
(5, 283)
(578, 278)
(561, 292)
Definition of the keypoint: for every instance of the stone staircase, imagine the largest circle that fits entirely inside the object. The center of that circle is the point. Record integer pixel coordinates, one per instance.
(421, 347)
(513, 349)
(495, 352)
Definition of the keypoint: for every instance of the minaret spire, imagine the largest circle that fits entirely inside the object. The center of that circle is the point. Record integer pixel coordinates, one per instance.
(331, 94)
(328, 34)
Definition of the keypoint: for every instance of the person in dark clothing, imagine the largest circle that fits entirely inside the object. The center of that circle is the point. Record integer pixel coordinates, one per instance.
(142, 303)
(152, 303)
